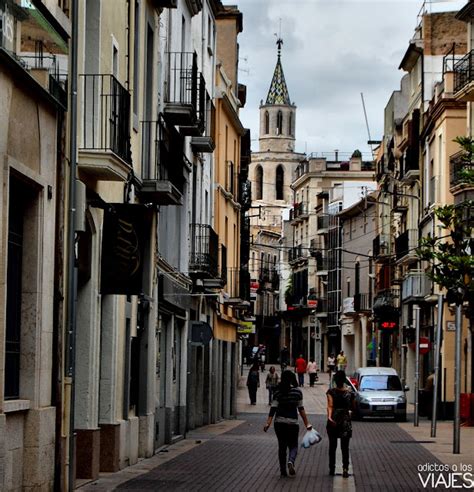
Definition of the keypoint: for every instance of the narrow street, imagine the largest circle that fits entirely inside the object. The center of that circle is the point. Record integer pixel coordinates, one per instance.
(238, 455)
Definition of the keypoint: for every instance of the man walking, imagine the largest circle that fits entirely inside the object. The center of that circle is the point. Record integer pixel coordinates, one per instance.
(284, 357)
(300, 369)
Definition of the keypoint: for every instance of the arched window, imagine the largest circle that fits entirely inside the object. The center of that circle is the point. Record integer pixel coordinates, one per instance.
(280, 177)
(290, 124)
(258, 183)
(279, 123)
(267, 123)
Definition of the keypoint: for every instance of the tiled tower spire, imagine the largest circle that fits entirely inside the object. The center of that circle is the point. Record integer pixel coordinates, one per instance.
(278, 92)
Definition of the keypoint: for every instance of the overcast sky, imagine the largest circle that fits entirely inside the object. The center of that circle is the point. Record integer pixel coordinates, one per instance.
(333, 50)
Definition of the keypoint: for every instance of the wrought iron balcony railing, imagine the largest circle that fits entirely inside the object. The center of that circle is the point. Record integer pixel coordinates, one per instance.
(461, 167)
(463, 71)
(299, 211)
(55, 81)
(381, 245)
(204, 251)
(406, 243)
(105, 116)
(296, 253)
(185, 93)
(269, 276)
(362, 302)
(323, 222)
(163, 161)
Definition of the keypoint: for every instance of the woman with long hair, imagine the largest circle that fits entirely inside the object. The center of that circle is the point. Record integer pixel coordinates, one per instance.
(287, 402)
(339, 425)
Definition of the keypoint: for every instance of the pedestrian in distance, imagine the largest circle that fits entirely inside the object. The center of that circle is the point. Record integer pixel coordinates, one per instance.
(284, 358)
(331, 363)
(300, 369)
(271, 383)
(339, 426)
(253, 382)
(341, 361)
(287, 402)
(312, 370)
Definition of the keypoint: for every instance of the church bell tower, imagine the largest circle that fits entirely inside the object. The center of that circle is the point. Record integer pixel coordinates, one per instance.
(277, 115)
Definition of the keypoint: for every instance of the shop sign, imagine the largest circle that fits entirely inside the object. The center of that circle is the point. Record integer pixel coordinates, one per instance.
(201, 333)
(126, 231)
(7, 26)
(247, 327)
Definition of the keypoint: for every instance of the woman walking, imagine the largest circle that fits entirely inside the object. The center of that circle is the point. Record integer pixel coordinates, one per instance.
(339, 425)
(287, 402)
(253, 382)
(312, 370)
(271, 383)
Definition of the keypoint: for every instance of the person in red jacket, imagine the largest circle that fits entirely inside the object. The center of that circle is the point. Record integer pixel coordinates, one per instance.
(300, 368)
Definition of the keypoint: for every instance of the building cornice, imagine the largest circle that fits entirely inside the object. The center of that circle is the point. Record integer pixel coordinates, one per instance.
(441, 106)
(466, 14)
(232, 114)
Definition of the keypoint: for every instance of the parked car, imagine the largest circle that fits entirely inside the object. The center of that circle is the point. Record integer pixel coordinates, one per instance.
(380, 393)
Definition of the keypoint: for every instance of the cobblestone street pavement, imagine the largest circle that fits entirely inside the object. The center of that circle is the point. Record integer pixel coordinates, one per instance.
(240, 456)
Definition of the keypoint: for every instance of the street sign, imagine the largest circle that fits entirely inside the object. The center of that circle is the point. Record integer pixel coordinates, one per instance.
(450, 326)
(312, 303)
(425, 345)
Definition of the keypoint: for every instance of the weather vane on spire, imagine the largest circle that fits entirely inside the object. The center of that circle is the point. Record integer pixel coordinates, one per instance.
(279, 40)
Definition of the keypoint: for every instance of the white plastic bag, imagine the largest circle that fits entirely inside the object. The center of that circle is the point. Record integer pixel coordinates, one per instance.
(311, 437)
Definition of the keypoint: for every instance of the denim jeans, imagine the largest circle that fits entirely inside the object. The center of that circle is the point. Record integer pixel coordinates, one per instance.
(287, 435)
(301, 378)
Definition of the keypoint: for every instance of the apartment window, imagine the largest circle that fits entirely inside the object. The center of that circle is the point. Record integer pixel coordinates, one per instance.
(258, 183)
(14, 293)
(22, 230)
(280, 176)
(279, 123)
(115, 60)
(183, 33)
(267, 123)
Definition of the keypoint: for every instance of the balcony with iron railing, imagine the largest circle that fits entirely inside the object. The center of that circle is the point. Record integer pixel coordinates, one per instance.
(299, 212)
(206, 143)
(185, 93)
(245, 193)
(297, 253)
(406, 244)
(203, 261)
(44, 68)
(381, 245)
(269, 278)
(104, 132)
(163, 164)
(322, 223)
(461, 167)
(237, 287)
(416, 286)
(409, 166)
(363, 302)
(321, 265)
(464, 77)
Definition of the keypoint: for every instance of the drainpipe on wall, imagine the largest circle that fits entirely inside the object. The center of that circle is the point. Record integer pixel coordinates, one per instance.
(71, 242)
